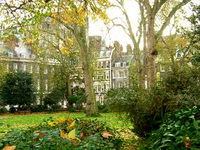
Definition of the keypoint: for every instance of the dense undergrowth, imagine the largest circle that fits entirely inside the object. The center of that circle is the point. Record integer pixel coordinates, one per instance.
(63, 134)
(181, 130)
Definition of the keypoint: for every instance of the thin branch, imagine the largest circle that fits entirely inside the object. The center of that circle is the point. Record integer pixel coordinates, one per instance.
(171, 14)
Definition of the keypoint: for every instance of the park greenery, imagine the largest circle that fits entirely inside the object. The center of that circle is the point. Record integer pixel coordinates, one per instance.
(18, 89)
(161, 105)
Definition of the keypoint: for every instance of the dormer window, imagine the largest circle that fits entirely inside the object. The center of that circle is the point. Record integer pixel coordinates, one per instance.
(117, 64)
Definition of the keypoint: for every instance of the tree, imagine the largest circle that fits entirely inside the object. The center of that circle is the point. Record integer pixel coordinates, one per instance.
(18, 89)
(73, 16)
(2, 80)
(148, 29)
(174, 52)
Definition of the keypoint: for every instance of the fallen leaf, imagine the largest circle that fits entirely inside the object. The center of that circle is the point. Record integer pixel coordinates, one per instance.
(106, 134)
(71, 125)
(83, 135)
(63, 134)
(41, 134)
(52, 123)
(7, 147)
(62, 119)
(72, 134)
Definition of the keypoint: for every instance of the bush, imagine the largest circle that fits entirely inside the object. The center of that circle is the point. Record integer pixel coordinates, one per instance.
(71, 108)
(103, 108)
(179, 131)
(65, 134)
(54, 97)
(78, 99)
(3, 110)
(18, 89)
(56, 108)
(12, 110)
(135, 105)
(146, 108)
(39, 108)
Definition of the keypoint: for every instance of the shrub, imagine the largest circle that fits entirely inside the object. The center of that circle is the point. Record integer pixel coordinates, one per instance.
(146, 108)
(39, 108)
(68, 134)
(78, 99)
(71, 108)
(56, 108)
(54, 97)
(3, 110)
(103, 108)
(179, 131)
(18, 89)
(135, 105)
(12, 110)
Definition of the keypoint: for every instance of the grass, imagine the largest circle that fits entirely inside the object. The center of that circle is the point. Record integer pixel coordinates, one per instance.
(9, 122)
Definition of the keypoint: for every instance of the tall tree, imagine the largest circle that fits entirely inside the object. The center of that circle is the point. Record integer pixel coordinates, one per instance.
(18, 89)
(151, 28)
(72, 15)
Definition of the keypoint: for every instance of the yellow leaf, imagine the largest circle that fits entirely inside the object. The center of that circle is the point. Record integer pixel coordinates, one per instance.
(52, 123)
(61, 119)
(7, 147)
(71, 125)
(72, 134)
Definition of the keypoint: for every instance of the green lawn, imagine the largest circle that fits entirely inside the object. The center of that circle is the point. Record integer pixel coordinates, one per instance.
(8, 122)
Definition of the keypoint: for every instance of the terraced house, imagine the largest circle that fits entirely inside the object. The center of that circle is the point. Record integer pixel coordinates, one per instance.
(111, 67)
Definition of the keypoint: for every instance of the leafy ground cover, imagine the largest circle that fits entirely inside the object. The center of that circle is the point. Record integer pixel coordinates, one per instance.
(13, 122)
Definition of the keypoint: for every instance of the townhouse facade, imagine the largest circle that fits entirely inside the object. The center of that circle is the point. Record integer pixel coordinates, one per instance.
(16, 56)
(111, 67)
(112, 70)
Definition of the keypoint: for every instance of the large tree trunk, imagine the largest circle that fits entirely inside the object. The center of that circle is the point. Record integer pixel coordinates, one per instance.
(91, 107)
(152, 52)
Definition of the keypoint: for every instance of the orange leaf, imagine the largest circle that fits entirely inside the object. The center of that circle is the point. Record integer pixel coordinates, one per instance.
(7, 147)
(63, 134)
(83, 135)
(41, 134)
(106, 134)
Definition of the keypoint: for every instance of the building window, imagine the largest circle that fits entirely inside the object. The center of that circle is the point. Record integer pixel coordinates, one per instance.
(124, 64)
(31, 68)
(23, 67)
(108, 64)
(45, 70)
(37, 68)
(46, 85)
(38, 84)
(117, 64)
(121, 74)
(15, 66)
(10, 54)
(7, 67)
(114, 74)
(125, 73)
(107, 75)
(22, 55)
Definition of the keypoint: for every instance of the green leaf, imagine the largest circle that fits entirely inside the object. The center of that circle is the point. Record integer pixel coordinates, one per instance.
(166, 141)
(196, 124)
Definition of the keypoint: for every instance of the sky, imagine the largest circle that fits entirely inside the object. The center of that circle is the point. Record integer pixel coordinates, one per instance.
(116, 33)
(98, 28)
